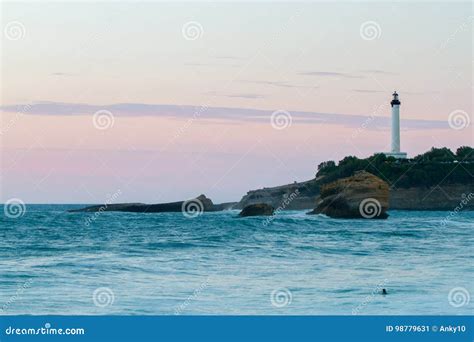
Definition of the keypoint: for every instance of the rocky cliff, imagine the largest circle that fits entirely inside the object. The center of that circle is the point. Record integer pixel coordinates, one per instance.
(295, 196)
(440, 197)
(443, 197)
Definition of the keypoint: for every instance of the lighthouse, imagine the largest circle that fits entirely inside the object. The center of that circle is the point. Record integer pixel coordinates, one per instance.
(395, 151)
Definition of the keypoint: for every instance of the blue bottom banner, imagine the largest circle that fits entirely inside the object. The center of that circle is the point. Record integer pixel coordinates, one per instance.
(237, 328)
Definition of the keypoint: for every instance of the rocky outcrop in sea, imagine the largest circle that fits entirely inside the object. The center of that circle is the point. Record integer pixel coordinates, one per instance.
(200, 203)
(362, 195)
(294, 196)
(258, 209)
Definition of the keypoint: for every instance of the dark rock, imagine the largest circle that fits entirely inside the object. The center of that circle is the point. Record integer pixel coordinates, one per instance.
(107, 207)
(200, 203)
(258, 209)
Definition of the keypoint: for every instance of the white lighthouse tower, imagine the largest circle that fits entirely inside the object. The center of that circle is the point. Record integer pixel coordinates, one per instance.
(395, 152)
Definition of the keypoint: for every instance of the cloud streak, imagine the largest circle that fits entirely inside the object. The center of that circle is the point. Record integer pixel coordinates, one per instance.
(279, 84)
(245, 96)
(329, 74)
(61, 74)
(367, 91)
(215, 113)
(380, 72)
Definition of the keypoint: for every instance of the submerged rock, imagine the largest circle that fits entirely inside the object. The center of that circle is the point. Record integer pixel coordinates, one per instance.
(225, 206)
(258, 209)
(362, 195)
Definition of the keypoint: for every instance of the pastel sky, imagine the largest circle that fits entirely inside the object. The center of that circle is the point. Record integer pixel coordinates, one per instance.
(164, 101)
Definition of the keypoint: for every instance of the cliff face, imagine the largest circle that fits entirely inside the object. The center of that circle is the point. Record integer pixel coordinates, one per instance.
(443, 197)
(295, 196)
(362, 195)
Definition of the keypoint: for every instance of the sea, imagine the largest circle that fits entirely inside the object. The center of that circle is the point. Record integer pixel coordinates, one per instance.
(112, 263)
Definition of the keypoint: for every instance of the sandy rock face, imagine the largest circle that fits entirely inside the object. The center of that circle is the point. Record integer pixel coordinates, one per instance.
(362, 195)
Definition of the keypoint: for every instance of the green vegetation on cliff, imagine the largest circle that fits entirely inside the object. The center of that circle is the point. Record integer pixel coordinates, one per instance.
(435, 167)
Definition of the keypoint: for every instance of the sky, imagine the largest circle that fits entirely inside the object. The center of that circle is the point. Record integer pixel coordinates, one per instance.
(162, 101)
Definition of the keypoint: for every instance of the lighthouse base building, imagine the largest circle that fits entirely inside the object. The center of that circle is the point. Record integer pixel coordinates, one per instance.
(397, 155)
(395, 152)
